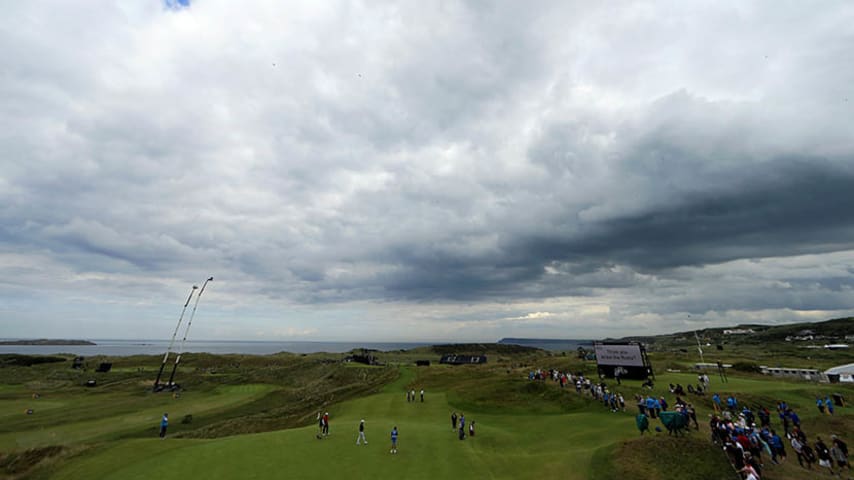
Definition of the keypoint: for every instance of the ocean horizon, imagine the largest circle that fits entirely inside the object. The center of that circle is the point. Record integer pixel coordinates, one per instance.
(125, 347)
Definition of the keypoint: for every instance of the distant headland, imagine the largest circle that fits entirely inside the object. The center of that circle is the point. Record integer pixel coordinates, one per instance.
(46, 341)
(547, 343)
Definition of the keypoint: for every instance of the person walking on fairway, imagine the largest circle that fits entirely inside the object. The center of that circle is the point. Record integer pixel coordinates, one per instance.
(326, 424)
(422, 395)
(394, 440)
(454, 422)
(164, 424)
(362, 433)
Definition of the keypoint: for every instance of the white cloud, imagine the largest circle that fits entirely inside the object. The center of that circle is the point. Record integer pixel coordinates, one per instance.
(423, 171)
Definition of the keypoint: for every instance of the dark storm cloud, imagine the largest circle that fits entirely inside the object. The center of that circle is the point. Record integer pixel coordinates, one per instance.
(789, 209)
(793, 209)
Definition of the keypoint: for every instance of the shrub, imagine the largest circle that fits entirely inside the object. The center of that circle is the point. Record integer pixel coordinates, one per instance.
(749, 367)
(27, 360)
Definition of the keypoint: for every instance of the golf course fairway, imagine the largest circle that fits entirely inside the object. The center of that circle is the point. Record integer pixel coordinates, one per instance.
(505, 446)
(255, 418)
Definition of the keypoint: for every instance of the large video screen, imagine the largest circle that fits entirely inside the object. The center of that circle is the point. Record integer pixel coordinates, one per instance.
(619, 355)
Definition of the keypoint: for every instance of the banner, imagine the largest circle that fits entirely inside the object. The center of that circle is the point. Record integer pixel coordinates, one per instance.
(619, 355)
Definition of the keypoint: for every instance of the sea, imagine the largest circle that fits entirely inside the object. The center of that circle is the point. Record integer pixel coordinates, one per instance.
(120, 348)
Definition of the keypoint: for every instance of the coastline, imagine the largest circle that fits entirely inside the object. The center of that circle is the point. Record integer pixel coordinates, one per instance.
(124, 348)
(46, 342)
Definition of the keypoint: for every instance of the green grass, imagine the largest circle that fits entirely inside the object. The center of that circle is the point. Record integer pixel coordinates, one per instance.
(254, 417)
(506, 445)
(662, 457)
(140, 415)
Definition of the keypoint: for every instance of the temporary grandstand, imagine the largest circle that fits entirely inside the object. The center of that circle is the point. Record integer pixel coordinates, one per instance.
(842, 373)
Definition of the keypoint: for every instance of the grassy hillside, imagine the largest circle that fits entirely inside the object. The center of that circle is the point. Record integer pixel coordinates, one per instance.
(224, 395)
(661, 457)
(254, 417)
(766, 346)
(830, 331)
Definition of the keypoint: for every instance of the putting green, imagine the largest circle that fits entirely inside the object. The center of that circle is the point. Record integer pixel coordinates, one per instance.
(505, 446)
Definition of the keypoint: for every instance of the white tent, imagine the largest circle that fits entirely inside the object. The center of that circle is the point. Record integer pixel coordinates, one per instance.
(845, 372)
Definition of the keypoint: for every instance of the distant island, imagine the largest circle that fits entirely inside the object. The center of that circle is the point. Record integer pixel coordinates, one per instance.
(46, 341)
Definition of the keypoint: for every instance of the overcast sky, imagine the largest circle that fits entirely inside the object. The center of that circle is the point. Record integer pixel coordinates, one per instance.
(424, 171)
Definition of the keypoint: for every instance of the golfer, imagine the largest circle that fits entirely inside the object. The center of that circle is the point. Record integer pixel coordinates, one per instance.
(394, 440)
(362, 433)
(326, 424)
(164, 423)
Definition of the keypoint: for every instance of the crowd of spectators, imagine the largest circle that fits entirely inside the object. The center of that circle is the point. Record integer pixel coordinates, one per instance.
(733, 426)
(746, 444)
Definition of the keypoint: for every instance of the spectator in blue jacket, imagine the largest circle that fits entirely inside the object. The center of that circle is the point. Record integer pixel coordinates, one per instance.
(164, 424)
